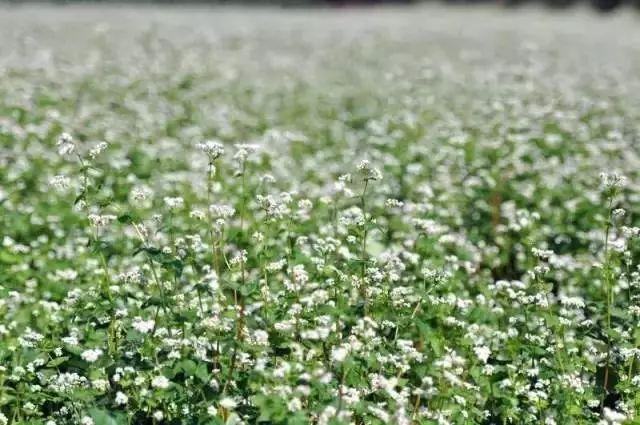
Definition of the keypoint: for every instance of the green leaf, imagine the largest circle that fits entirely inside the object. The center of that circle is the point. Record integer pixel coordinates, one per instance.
(188, 367)
(202, 373)
(58, 361)
(80, 197)
(102, 246)
(102, 417)
(126, 218)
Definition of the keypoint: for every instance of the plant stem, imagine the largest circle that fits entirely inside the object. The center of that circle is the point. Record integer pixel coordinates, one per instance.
(608, 291)
(363, 251)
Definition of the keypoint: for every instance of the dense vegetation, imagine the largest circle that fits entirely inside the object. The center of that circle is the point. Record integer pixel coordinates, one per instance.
(418, 217)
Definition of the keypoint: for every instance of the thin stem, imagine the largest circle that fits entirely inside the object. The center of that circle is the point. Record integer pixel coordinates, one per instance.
(155, 278)
(608, 292)
(363, 252)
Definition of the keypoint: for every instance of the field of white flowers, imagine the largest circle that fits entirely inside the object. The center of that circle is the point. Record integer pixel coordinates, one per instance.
(416, 216)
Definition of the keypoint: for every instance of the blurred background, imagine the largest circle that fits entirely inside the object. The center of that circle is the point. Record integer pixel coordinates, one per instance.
(599, 5)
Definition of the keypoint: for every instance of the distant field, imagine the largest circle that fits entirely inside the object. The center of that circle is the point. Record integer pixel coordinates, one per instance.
(420, 215)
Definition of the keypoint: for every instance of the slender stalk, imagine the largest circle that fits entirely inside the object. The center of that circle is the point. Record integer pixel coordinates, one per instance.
(608, 292)
(363, 248)
(155, 278)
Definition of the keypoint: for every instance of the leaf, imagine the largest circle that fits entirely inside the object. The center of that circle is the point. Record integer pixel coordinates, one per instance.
(188, 367)
(202, 373)
(175, 265)
(152, 251)
(103, 203)
(9, 258)
(80, 197)
(153, 301)
(102, 417)
(58, 361)
(102, 246)
(126, 218)
(271, 408)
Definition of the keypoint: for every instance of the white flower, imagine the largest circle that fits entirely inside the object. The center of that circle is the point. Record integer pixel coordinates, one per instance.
(160, 382)
(239, 258)
(98, 149)
(260, 337)
(369, 172)
(59, 182)
(158, 415)
(121, 398)
(618, 212)
(243, 151)
(98, 220)
(223, 211)
(338, 354)
(197, 214)
(141, 193)
(212, 148)
(142, 326)
(173, 202)
(612, 180)
(294, 404)
(276, 265)
(482, 352)
(210, 280)
(86, 420)
(100, 384)
(613, 417)
(65, 144)
(352, 216)
(228, 403)
(70, 340)
(91, 355)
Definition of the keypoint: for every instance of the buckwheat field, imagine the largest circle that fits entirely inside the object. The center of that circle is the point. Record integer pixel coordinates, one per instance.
(386, 216)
